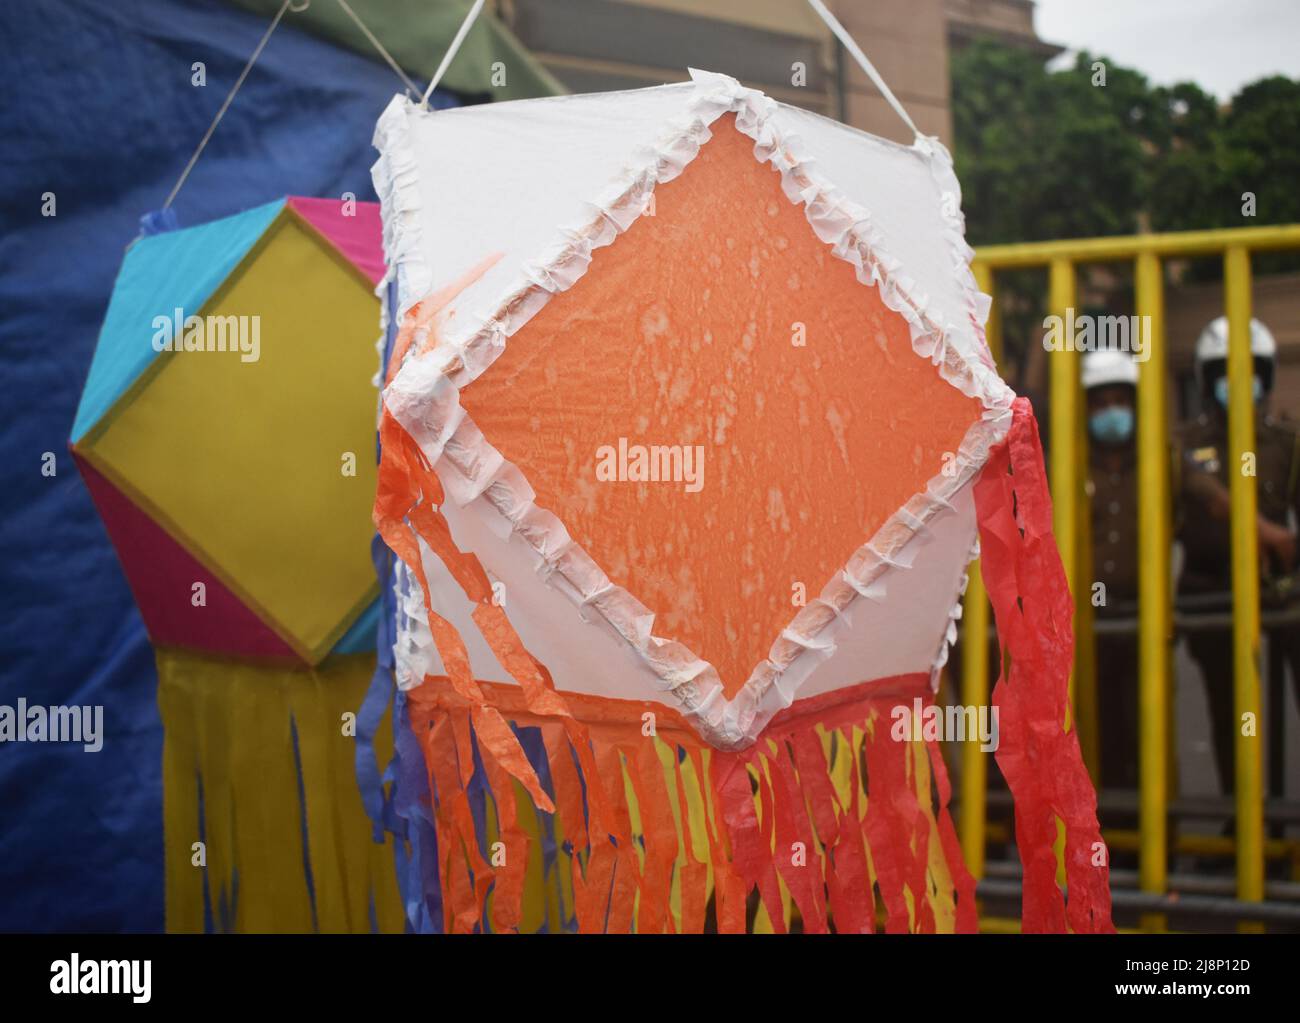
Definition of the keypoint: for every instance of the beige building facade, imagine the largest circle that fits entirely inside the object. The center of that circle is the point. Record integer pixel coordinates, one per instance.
(779, 46)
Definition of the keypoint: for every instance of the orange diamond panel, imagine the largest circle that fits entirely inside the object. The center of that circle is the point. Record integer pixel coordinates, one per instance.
(721, 342)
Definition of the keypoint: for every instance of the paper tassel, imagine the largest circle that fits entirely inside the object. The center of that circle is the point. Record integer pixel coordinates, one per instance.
(828, 822)
(1040, 760)
(257, 768)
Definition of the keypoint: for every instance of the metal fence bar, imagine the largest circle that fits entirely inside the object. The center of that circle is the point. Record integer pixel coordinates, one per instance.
(1066, 409)
(1284, 914)
(1087, 707)
(1124, 248)
(1154, 586)
(975, 659)
(1245, 577)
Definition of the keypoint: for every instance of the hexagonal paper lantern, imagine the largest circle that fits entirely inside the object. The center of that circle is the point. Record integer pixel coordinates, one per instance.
(691, 422)
(226, 429)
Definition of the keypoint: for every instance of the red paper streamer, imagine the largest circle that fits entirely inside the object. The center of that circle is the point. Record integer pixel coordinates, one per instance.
(1040, 760)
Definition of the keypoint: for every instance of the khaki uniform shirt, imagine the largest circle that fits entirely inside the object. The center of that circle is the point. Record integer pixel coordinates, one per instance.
(1203, 456)
(1112, 493)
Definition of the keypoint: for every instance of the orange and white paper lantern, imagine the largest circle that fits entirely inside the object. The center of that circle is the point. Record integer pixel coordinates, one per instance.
(688, 437)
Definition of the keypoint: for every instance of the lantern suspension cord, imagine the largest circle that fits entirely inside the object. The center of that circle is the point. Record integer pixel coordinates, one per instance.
(820, 8)
(379, 47)
(465, 26)
(230, 98)
(868, 68)
(297, 6)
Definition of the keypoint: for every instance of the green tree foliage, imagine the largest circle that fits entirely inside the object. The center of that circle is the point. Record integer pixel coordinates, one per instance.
(1049, 154)
(1260, 146)
(1044, 155)
(1055, 154)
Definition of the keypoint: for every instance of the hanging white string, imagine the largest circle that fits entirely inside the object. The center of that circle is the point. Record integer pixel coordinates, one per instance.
(230, 98)
(465, 26)
(855, 51)
(410, 85)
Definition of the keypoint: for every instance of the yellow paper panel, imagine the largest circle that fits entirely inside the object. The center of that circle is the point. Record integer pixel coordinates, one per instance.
(243, 461)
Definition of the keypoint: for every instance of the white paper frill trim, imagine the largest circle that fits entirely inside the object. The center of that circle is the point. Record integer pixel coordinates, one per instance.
(424, 396)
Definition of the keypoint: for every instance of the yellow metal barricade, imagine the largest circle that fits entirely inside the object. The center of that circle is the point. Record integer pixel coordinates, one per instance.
(1155, 615)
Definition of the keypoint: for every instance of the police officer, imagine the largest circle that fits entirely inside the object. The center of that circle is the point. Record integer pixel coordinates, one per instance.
(1206, 581)
(1110, 386)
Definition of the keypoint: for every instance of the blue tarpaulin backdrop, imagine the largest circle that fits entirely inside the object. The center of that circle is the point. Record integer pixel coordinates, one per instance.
(99, 110)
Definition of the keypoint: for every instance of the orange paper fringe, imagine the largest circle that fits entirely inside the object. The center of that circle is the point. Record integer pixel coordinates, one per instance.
(827, 823)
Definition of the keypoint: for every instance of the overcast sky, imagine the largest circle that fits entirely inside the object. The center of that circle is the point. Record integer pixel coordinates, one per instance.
(1220, 45)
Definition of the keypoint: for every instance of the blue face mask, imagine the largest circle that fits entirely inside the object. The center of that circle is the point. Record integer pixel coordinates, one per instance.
(1113, 425)
(1221, 391)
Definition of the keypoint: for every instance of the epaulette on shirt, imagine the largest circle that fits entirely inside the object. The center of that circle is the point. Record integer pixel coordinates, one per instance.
(1204, 459)
(1200, 456)
(1286, 425)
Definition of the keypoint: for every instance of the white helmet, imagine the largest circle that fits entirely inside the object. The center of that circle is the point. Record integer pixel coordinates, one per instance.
(1107, 366)
(1213, 342)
